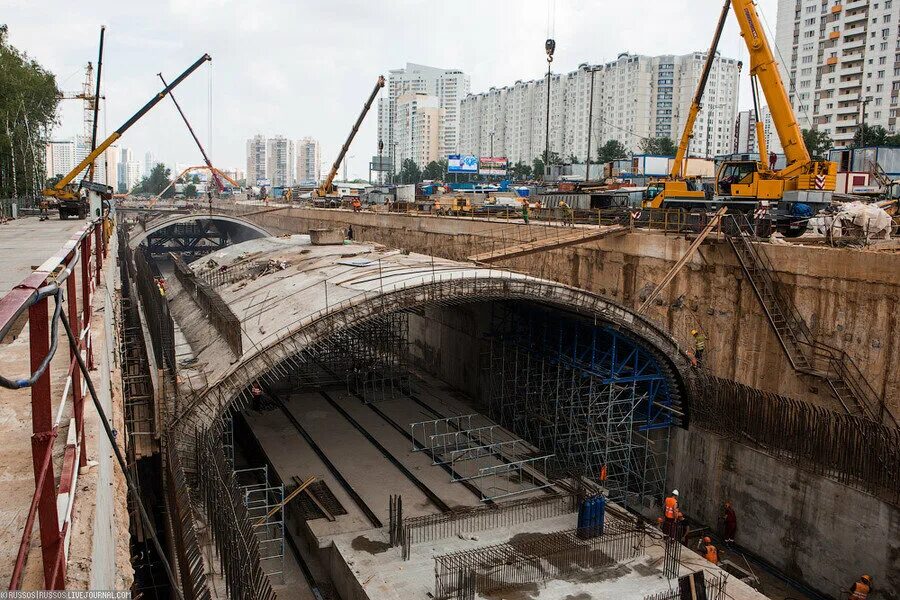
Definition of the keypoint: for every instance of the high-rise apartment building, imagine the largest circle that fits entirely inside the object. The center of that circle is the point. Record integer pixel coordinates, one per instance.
(149, 162)
(280, 161)
(745, 138)
(309, 164)
(841, 58)
(60, 157)
(450, 86)
(256, 160)
(635, 97)
(418, 129)
(128, 170)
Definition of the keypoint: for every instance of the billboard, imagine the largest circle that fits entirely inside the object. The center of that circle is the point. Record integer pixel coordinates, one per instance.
(492, 165)
(462, 163)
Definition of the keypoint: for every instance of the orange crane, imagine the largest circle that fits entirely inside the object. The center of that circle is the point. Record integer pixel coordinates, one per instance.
(327, 187)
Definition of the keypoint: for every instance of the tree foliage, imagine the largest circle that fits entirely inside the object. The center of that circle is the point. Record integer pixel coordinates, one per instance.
(611, 150)
(410, 172)
(537, 168)
(818, 143)
(157, 181)
(28, 99)
(870, 135)
(520, 171)
(661, 146)
(190, 191)
(433, 171)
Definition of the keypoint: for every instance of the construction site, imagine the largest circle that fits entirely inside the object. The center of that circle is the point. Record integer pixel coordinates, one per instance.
(690, 397)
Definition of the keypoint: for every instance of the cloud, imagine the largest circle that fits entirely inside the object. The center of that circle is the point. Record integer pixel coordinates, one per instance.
(305, 68)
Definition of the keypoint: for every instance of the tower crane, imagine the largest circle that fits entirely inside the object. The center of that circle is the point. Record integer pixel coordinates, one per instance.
(327, 187)
(792, 194)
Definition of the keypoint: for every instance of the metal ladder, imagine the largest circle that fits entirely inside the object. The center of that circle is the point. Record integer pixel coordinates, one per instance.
(833, 366)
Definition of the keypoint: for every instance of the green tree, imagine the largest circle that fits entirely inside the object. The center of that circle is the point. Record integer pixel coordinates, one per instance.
(410, 172)
(892, 141)
(537, 168)
(818, 143)
(28, 99)
(54, 180)
(195, 179)
(661, 146)
(867, 135)
(157, 181)
(190, 191)
(611, 150)
(433, 171)
(520, 171)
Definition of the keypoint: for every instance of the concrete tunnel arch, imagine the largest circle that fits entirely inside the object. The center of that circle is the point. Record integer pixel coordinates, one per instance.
(245, 229)
(279, 350)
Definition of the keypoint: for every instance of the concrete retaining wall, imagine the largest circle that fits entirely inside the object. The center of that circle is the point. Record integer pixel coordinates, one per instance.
(814, 529)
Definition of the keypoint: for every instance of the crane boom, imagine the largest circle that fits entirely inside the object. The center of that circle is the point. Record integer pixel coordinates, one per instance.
(326, 186)
(765, 69)
(696, 104)
(59, 189)
(218, 181)
(97, 101)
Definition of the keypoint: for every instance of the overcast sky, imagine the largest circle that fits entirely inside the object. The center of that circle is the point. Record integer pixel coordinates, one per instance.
(302, 68)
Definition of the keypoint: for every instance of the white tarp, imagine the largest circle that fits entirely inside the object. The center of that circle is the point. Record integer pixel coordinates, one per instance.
(872, 220)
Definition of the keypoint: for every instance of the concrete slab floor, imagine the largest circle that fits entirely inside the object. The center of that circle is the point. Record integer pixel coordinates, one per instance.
(26, 243)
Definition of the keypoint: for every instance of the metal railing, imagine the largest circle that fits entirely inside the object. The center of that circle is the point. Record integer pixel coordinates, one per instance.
(75, 268)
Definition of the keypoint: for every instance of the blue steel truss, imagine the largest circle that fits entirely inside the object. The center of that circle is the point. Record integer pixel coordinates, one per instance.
(589, 393)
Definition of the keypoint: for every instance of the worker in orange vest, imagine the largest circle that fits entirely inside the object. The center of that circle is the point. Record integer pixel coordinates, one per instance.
(671, 514)
(710, 552)
(860, 590)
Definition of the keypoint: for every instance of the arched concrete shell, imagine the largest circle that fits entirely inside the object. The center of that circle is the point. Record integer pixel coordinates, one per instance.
(467, 285)
(154, 226)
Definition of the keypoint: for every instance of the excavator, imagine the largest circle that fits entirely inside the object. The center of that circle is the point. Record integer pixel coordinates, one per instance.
(68, 195)
(326, 190)
(789, 196)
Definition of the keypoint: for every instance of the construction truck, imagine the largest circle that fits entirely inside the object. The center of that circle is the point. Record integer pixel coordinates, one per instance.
(75, 199)
(326, 190)
(788, 196)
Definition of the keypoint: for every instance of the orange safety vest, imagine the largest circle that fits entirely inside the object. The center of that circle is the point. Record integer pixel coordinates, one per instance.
(860, 591)
(712, 555)
(671, 507)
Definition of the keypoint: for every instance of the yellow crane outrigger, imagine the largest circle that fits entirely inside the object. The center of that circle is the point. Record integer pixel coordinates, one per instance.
(327, 187)
(67, 193)
(791, 194)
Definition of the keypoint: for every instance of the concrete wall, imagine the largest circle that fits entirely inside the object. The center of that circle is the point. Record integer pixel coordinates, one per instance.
(814, 529)
(848, 297)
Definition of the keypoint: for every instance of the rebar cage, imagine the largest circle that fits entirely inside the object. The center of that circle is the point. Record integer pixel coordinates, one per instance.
(597, 399)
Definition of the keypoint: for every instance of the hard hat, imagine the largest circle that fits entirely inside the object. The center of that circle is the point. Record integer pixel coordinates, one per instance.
(674, 492)
(866, 578)
(693, 332)
(707, 540)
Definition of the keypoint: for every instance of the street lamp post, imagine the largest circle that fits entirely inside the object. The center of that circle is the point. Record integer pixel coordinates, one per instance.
(587, 168)
(862, 131)
(550, 48)
(393, 164)
(380, 165)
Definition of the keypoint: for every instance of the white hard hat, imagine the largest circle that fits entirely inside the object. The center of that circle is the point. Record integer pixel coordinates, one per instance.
(674, 492)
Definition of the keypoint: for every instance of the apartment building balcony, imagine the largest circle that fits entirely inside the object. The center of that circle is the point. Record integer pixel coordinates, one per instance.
(847, 110)
(851, 19)
(836, 9)
(853, 43)
(833, 35)
(851, 69)
(831, 60)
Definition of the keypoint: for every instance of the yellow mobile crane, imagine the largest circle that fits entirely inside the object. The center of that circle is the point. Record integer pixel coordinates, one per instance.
(327, 188)
(792, 194)
(67, 194)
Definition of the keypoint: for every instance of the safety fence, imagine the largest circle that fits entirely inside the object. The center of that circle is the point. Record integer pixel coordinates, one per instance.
(234, 533)
(852, 450)
(218, 312)
(428, 528)
(700, 584)
(70, 277)
(151, 289)
(532, 558)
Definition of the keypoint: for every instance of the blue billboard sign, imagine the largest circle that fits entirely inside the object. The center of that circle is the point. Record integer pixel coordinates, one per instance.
(462, 163)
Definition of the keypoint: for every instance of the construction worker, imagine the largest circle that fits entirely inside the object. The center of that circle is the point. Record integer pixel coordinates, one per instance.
(860, 590)
(699, 347)
(671, 515)
(729, 523)
(566, 212)
(710, 552)
(525, 211)
(356, 204)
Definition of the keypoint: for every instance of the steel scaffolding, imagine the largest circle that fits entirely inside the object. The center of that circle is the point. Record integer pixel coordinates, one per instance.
(594, 397)
(266, 516)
